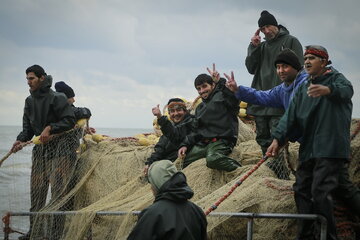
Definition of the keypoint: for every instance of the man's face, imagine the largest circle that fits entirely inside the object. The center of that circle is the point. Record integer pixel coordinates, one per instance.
(314, 65)
(177, 114)
(270, 31)
(205, 89)
(286, 72)
(33, 81)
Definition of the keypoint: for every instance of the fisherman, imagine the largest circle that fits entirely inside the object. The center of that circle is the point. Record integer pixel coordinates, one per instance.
(292, 74)
(216, 125)
(173, 131)
(321, 108)
(259, 62)
(172, 215)
(46, 113)
(80, 112)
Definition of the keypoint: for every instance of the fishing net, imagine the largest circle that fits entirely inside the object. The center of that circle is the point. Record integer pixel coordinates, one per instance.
(106, 176)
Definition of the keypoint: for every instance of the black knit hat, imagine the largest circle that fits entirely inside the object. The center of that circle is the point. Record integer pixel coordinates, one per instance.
(289, 57)
(64, 88)
(267, 19)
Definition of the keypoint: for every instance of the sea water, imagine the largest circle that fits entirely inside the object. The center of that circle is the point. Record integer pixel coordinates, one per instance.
(15, 174)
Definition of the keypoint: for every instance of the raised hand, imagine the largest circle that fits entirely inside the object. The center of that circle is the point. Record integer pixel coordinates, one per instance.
(156, 111)
(231, 83)
(256, 39)
(214, 74)
(318, 90)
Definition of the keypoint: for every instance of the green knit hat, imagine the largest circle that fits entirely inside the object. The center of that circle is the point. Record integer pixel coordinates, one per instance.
(160, 172)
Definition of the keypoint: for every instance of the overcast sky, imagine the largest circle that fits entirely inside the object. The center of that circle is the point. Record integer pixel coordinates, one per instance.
(122, 57)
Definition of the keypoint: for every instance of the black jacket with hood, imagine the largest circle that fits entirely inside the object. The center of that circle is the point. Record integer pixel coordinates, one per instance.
(169, 143)
(171, 216)
(44, 107)
(216, 117)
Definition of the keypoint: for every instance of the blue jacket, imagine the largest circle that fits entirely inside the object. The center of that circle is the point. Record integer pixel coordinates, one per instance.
(278, 97)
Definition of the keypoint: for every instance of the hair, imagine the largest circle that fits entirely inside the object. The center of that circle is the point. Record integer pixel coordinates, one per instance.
(203, 78)
(37, 70)
(175, 100)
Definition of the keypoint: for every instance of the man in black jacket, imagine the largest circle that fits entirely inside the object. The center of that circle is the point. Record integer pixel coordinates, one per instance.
(46, 113)
(173, 131)
(216, 125)
(80, 112)
(172, 215)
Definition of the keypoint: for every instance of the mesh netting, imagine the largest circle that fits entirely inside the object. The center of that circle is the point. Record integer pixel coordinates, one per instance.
(107, 177)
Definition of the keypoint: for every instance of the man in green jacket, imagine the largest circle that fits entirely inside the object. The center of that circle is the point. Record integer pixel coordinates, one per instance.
(260, 63)
(46, 113)
(321, 109)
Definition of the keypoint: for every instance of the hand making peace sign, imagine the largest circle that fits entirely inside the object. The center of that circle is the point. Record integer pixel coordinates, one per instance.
(231, 83)
(214, 74)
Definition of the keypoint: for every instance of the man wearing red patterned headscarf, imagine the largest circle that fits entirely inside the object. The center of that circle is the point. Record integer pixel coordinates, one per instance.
(321, 109)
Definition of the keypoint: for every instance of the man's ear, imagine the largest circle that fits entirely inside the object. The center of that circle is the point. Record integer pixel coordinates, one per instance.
(42, 78)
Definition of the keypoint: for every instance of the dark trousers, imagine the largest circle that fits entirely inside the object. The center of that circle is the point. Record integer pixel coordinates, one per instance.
(52, 164)
(347, 191)
(216, 154)
(315, 180)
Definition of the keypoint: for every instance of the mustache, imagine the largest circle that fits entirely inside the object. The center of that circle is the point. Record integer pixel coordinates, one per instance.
(307, 65)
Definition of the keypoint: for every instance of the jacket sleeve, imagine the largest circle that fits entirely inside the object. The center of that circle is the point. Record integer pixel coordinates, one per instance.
(64, 113)
(341, 90)
(230, 100)
(173, 133)
(268, 98)
(159, 151)
(253, 58)
(27, 133)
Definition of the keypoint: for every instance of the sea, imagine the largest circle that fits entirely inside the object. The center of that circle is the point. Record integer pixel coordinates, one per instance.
(15, 174)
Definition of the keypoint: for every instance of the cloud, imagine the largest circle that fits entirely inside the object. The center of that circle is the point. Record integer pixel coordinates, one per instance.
(124, 57)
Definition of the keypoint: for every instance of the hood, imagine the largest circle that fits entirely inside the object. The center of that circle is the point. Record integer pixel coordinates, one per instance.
(282, 31)
(329, 71)
(300, 78)
(175, 189)
(44, 87)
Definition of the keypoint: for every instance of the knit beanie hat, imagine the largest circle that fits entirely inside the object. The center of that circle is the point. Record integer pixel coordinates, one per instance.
(267, 19)
(64, 88)
(289, 57)
(160, 172)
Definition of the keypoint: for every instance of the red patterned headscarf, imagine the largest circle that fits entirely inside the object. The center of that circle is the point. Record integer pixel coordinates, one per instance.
(317, 51)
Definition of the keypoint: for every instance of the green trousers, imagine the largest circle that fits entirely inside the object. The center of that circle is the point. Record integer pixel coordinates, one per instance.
(215, 154)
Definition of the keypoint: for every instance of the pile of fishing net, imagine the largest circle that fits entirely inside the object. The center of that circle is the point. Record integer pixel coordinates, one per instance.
(108, 179)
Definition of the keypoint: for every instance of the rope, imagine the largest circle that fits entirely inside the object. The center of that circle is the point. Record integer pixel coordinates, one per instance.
(238, 183)
(10, 152)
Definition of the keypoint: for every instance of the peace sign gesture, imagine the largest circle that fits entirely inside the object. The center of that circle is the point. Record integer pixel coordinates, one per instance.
(231, 83)
(256, 39)
(214, 74)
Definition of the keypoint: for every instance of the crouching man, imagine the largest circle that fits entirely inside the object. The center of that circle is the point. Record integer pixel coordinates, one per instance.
(171, 216)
